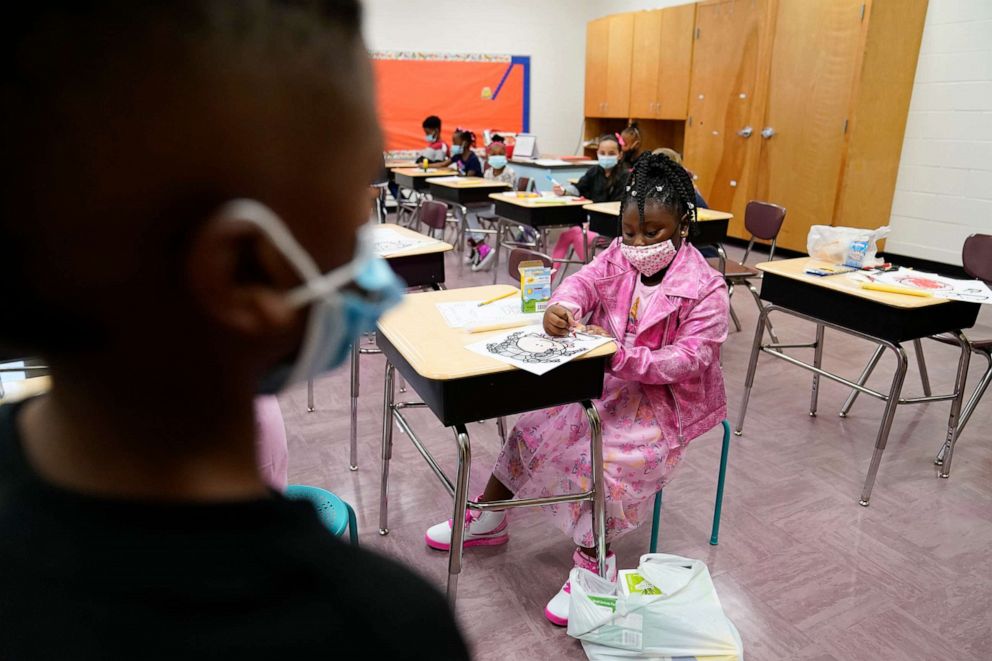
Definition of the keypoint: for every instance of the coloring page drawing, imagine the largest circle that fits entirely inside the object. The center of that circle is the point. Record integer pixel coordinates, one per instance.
(531, 349)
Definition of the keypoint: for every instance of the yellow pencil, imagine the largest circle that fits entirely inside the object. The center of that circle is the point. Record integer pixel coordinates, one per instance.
(893, 289)
(506, 325)
(498, 298)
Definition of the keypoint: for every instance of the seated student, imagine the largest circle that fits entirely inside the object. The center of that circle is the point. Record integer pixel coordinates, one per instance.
(601, 183)
(437, 150)
(497, 169)
(462, 156)
(197, 243)
(667, 309)
(630, 142)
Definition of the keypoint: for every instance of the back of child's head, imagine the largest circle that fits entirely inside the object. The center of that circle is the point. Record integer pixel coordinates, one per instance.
(432, 122)
(467, 136)
(631, 132)
(127, 122)
(670, 153)
(658, 178)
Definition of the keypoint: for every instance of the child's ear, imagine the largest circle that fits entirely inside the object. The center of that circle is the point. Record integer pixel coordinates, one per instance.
(239, 280)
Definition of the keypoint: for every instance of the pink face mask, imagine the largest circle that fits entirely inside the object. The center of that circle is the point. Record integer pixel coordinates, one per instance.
(648, 260)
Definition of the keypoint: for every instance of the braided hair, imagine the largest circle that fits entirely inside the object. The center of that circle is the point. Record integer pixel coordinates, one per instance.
(657, 177)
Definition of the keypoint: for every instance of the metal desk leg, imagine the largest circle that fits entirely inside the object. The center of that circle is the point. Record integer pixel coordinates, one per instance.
(895, 391)
(387, 448)
(501, 428)
(757, 299)
(458, 518)
(872, 362)
(922, 362)
(817, 361)
(953, 425)
(355, 366)
(759, 334)
(598, 485)
(310, 406)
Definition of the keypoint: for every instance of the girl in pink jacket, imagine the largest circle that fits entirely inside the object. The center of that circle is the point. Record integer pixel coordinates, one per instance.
(667, 308)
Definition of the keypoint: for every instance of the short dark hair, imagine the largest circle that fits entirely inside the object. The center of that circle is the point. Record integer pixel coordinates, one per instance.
(81, 87)
(432, 122)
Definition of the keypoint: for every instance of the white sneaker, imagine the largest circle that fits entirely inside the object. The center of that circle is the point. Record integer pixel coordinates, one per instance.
(481, 529)
(557, 609)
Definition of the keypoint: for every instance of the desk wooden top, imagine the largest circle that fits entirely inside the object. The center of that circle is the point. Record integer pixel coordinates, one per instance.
(702, 215)
(539, 202)
(401, 163)
(467, 182)
(434, 349)
(14, 391)
(425, 249)
(431, 172)
(795, 269)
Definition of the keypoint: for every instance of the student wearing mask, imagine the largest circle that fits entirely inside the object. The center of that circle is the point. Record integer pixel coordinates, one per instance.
(199, 242)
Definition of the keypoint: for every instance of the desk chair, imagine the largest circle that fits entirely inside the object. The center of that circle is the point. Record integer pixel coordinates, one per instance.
(762, 220)
(434, 214)
(336, 515)
(976, 257)
(717, 506)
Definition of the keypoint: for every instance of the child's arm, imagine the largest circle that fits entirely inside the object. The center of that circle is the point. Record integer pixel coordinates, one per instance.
(578, 291)
(695, 347)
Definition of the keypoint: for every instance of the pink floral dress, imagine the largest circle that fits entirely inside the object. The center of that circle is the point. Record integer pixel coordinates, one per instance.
(547, 452)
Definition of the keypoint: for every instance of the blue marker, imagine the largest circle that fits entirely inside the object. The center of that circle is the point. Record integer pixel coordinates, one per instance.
(553, 180)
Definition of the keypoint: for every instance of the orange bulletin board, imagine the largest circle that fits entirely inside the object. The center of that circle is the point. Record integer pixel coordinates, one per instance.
(476, 92)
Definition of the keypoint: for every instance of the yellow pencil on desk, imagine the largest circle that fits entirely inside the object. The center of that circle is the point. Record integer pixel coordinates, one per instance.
(498, 298)
(893, 289)
(506, 325)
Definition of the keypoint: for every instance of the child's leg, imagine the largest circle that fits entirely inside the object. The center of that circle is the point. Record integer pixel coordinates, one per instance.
(495, 490)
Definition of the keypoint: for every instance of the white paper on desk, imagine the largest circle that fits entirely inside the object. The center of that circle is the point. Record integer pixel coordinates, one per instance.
(550, 161)
(451, 178)
(386, 241)
(530, 349)
(970, 291)
(468, 314)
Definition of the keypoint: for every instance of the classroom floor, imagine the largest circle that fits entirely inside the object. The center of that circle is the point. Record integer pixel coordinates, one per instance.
(803, 570)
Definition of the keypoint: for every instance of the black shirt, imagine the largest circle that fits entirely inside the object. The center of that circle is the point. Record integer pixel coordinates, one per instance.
(86, 577)
(595, 185)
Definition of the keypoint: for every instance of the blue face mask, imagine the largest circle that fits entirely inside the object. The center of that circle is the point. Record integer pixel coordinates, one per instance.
(344, 303)
(429, 138)
(607, 162)
(497, 161)
(456, 150)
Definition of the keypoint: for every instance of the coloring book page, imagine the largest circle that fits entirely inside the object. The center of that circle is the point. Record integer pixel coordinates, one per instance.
(971, 291)
(468, 314)
(530, 349)
(387, 241)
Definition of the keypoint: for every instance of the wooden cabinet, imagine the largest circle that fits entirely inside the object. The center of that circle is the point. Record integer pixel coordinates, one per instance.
(608, 61)
(662, 56)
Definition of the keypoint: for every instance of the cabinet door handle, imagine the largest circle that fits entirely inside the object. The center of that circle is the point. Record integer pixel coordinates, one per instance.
(745, 132)
(767, 132)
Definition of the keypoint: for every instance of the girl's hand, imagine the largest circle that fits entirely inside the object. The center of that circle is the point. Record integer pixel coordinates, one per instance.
(558, 190)
(558, 320)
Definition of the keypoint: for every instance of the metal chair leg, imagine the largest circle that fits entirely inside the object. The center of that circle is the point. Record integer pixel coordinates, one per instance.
(969, 408)
(387, 448)
(458, 518)
(721, 478)
(352, 525)
(817, 361)
(922, 362)
(759, 335)
(310, 405)
(353, 435)
(599, 485)
(865, 373)
(953, 426)
(655, 521)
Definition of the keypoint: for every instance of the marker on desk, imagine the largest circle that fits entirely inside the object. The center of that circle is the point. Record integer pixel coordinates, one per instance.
(554, 182)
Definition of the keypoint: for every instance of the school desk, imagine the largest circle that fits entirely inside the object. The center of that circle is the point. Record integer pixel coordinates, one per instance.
(711, 228)
(15, 391)
(415, 178)
(421, 266)
(886, 319)
(459, 192)
(460, 387)
(538, 169)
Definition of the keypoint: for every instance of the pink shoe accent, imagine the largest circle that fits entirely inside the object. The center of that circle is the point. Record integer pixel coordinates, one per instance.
(555, 620)
(497, 540)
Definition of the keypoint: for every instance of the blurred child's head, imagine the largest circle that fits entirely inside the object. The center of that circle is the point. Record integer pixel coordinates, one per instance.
(497, 148)
(608, 151)
(658, 203)
(497, 153)
(670, 153)
(127, 127)
(631, 139)
(432, 128)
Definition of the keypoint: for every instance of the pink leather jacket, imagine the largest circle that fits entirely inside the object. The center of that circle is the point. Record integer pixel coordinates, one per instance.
(676, 353)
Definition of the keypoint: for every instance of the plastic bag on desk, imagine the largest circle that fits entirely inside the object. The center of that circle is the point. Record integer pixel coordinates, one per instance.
(685, 620)
(852, 246)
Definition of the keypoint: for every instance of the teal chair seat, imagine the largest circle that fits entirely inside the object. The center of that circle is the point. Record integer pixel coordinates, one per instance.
(718, 505)
(336, 515)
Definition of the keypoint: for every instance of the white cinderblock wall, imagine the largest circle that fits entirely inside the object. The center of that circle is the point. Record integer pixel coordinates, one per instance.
(944, 188)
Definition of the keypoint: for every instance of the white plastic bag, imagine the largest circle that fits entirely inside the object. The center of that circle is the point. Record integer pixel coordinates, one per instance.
(852, 246)
(685, 620)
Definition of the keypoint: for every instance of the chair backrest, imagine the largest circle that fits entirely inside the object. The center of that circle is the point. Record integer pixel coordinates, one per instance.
(433, 214)
(518, 255)
(976, 256)
(524, 183)
(763, 219)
